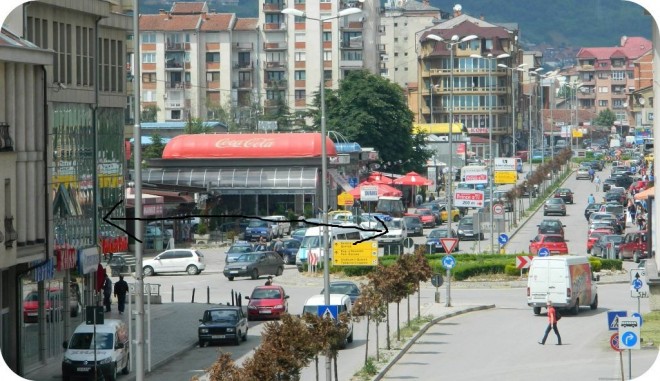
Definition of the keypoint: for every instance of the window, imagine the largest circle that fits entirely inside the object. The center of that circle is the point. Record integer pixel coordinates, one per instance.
(300, 94)
(327, 36)
(602, 75)
(175, 114)
(148, 77)
(299, 56)
(148, 96)
(327, 75)
(603, 89)
(212, 57)
(148, 38)
(212, 76)
(396, 24)
(618, 75)
(300, 37)
(298, 19)
(603, 64)
(300, 75)
(327, 55)
(489, 44)
(148, 57)
(617, 103)
(602, 103)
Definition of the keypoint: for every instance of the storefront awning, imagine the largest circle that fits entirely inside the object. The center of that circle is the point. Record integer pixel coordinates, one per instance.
(237, 181)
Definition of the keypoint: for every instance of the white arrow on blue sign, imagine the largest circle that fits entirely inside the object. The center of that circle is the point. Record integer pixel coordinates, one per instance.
(503, 239)
(544, 252)
(448, 262)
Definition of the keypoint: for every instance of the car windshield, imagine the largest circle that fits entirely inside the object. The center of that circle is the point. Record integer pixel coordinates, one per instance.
(342, 289)
(249, 257)
(424, 212)
(85, 340)
(563, 190)
(265, 293)
(613, 238)
(393, 224)
(291, 244)
(32, 297)
(616, 209)
(411, 221)
(221, 315)
(553, 238)
(555, 201)
(466, 221)
(258, 224)
(438, 233)
(550, 224)
(310, 241)
(239, 249)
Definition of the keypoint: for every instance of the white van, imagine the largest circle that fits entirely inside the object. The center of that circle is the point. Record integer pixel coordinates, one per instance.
(112, 350)
(343, 303)
(567, 281)
(313, 239)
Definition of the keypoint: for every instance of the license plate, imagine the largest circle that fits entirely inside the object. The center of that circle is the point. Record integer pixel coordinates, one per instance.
(233, 272)
(82, 369)
(217, 336)
(438, 245)
(268, 312)
(468, 234)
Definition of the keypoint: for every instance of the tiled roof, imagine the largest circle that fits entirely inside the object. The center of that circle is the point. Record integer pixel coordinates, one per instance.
(168, 22)
(633, 48)
(246, 23)
(189, 8)
(216, 21)
(467, 28)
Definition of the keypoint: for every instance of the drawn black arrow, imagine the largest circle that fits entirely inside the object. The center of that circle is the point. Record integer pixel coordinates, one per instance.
(109, 220)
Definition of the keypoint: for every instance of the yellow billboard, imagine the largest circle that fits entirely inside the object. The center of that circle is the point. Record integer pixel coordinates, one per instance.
(345, 199)
(346, 253)
(505, 177)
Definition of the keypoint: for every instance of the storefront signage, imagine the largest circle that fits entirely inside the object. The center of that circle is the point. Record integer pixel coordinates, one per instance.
(44, 272)
(477, 130)
(469, 198)
(88, 260)
(66, 258)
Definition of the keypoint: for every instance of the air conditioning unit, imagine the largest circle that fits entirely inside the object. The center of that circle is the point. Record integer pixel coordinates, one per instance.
(384, 58)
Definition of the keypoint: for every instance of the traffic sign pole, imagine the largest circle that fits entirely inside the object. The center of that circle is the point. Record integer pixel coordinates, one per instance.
(448, 262)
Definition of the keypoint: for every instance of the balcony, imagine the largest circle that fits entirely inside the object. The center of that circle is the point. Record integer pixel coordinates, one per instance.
(274, 27)
(242, 85)
(381, 48)
(352, 44)
(174, 46)
(269, 46)
(175, 85)
(276, 65)
(271, 102)
(173, 65)
(270, 7)
(343, 4)
(243, 65)
(244, 46)
(586, 95)
(350, 64)
(276, 84)
(352, 25)
(586, 68)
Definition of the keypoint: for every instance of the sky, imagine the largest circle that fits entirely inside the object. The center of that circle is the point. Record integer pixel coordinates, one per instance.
(7, 6)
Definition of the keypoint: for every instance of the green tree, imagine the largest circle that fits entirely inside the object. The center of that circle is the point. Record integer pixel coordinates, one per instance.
(155, 149)
(149, 113)
(196, 126)
(605, 118)
(281, 114)
(373, 112)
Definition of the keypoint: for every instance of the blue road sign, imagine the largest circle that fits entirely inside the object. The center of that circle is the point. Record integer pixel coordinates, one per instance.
(448, 262)
(638, 316)
(328, 311)
(353, 181)
(503, 239)
(613, 319)
(629, 339)
(637, 284)
(544, 252)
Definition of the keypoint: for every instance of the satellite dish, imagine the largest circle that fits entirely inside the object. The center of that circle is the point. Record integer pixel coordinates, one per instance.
(641, 101)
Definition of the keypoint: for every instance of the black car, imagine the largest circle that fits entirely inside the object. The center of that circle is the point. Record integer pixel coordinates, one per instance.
(414, 226)
(565, 194)
(433, 243)
(608, 183)
(551, 227)
(223, 324)
(603, 244)
(467, 231)
(623, 181)
(254, 265)
(591, 208)
(615, 197)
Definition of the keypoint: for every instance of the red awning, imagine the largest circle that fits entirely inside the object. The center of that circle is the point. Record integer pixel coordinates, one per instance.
(413, 178)
(247, 146)
(383, 190)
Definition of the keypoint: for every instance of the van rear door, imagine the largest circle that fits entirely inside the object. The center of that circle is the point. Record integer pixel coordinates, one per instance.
(558, 283)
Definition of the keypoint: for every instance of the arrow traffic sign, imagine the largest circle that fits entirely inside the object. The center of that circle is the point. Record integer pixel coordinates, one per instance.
(448, 244)
(629, 333)
(638, 287)
(544, 252)
(448, 262)
(524, 261)
(503, 239)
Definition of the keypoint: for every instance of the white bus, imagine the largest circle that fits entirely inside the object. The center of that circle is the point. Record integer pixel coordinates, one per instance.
(313, 239)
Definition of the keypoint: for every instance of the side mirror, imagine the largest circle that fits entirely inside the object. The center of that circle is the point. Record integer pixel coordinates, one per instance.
(247, 297)
(286, 297)
(65, 344)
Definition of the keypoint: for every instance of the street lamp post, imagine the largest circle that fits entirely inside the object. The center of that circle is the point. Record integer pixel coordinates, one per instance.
(324, 155)
(489, 58)
(455, 40)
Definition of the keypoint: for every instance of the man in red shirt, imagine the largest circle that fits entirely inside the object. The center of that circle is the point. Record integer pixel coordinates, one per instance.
(552, 324)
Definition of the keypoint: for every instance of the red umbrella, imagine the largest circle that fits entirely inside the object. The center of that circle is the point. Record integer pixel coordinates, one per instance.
(379, 178)
(413, 178)
(383, 190)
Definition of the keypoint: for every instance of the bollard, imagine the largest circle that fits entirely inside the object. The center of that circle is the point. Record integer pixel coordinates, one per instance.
(208, 295)
(172, 294)
(240, 301)
(232, 297)
(193, 296)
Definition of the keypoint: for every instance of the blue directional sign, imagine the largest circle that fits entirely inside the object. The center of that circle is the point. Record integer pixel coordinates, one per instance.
(328, 311)
(448, 262)
(544, 252)
(637, 284)
(638, 316)
(503, 239)
(613, 319)
(628, 339)
(353, 181)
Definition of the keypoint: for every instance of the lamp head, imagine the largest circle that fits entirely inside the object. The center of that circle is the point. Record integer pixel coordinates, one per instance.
(348, 11)
(293, 11)
(435, 37)
(503, 55)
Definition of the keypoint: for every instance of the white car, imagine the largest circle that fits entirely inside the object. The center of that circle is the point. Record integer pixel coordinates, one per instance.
(396, 232)
(283, 225)
(177, 260)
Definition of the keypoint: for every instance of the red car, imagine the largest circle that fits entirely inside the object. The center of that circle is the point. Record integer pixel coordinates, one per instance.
(553, 242)
(594, 235)
(427, 217)
(267, 302)
(53, 304)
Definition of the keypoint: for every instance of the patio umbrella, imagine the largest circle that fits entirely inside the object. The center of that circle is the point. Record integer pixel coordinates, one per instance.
(643, 195)
(383, 190)
(379, 178)
(413, 178)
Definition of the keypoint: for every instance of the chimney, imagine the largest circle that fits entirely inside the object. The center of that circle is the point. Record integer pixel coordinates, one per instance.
(161, 11)
(426, 2)
(623, 40)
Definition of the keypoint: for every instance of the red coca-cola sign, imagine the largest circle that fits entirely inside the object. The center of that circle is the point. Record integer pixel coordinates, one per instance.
(245, 143)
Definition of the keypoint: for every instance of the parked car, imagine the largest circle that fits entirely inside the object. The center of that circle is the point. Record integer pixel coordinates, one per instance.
(220, 324)
(53, 304)
(118, 265)
(237, 249)
(529, 190)
(634, 246)
(433, 240)
(258, 228)
(397, 231)
(551, 227)
(602, 246)
(455, 213)
(426, 216)
(435, 208)
(467, 231)
(608, 183)
(237, 228)
(582, 173)
(414, 225)
(283, 225)
(298, 234)
(554, 206)
(287, 249)
(594, 235)
(565, 194)
(177, 260)
(591, 208)
(255, 265)
(267, 302)
(623, 181)
(553, 242)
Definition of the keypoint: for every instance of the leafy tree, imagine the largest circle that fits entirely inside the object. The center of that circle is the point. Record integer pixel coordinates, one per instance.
(389, 282)
(373, 112)
(224, 369)
(196, 126)
(149, 113)
(281, 114)
(605, 118)
(222, 114)
(370, 304)
(155, 149)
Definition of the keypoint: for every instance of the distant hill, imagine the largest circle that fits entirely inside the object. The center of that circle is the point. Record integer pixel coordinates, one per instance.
(561, 23)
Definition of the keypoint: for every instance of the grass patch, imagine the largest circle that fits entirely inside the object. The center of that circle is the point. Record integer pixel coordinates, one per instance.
(650, 330)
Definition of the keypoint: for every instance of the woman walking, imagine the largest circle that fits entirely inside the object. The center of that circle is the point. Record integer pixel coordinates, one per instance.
(552, 324)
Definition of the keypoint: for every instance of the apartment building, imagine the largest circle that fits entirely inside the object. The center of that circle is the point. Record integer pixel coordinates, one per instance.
(480, 88)
(607, 76)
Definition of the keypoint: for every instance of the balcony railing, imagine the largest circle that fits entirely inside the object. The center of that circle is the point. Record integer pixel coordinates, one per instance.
(274, 45)
(274, 26)
(169, 46)
(274, 7)
(276, 83)
(242, 85)
(343, 4)
(243, 65)
(352, 25)
(244, 46)
(352, 45)
(275, 64)
(174, 65)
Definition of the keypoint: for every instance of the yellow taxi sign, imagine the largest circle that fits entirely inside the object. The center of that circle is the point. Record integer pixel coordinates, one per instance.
(345, 199)
(505, 177)
(346, 253)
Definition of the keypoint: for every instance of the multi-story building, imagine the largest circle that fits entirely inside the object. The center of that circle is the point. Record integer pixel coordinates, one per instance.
(480, 88)
(69, 163)
(607, 77)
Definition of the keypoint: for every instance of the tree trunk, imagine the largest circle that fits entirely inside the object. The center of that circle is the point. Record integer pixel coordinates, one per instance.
(335, 358)
(387, 326)
(398, 322)
(377, 344)
(408, 299)
(366, 344)
(419, 299)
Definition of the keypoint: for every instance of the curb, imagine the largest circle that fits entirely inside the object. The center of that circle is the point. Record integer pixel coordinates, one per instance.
(420, 333)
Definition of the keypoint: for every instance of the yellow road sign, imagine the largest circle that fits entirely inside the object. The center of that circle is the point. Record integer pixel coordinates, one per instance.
(345, 199)
(345, 253)
(505, 177)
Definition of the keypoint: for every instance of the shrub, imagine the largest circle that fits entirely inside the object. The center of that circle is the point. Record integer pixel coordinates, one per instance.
(596, 264)
(611, 264)
(465, 271)
(511, 269)
(357, 270)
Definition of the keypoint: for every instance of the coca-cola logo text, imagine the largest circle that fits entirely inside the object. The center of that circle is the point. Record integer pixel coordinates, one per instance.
(245, 143)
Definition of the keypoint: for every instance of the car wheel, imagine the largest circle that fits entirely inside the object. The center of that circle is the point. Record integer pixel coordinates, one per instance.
(66, 377)
(192, 270)
(576, 307)
(148, 271)
(594, 305)
(113, 373)
(127, 368)
(202, 343)
(231, 278)
(537, 310)
(636, 256)
(350, 337)
(619, 256)
(280, 271)
(237, 340)
(244, 338)
(255, 274)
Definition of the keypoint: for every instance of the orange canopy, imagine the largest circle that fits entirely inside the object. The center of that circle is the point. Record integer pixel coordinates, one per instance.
(643, 195)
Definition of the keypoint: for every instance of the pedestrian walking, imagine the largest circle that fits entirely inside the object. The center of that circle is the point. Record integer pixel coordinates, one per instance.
(419, 199)
(591, 174)
(121, 288)
(552, 324)
(269, 281)
(107, 292)
(262, 245)
(597, 182)
(591, 199)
